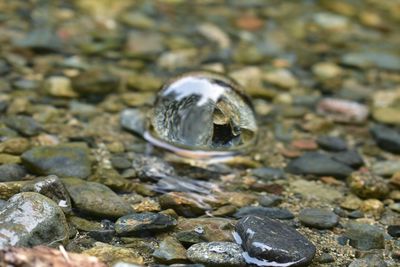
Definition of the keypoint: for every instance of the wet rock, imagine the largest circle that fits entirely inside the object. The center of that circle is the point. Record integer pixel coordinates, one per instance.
(394, 230)
(269, 200)
(367, 185)
(59, 86)
(196, 230)
(66, 160)
(370, 59)
(24, 125)
(11, 172)
(185, 204)
(318, 164)
(216, 254)
(138, 223)
(387, 115)
(31, 219)
(386, 168)
(8, 189)
(9, 159)
(314, 190)
(15, 146)
(272, 213)
(113, 254)
(326, 70)
(282, 78)
(368, 262)
(268, 174)
(318, 218)
(134, 120)
(386, 138)
(120, 162)
(51, 187)
(268, 242)
(87, 197)
(331, 143)
(152, 168)
(350, 157)
(373, 207)
(170, 251)
(341, 110)
(144, 44)
(364, 236)
(95, 82)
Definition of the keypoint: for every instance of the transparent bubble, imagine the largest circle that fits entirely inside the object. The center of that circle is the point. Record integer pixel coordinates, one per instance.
(202, 114)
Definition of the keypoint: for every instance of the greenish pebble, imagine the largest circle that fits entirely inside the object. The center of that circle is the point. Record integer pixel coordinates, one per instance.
(364, 236)
(66, 160)
(95, 199)
(24, 125)
(170, 251)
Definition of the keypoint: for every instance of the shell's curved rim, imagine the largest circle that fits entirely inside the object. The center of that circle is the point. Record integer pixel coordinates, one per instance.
(235, 86)
(199, 154)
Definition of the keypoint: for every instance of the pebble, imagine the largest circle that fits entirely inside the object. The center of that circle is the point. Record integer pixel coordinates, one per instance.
(51, 187)
(367, 185)
(331, 143)
(95, 83)
(112, 254)
(386, 138)
(364, 236)
(368, 59)
(341, 110)
(24, 125)
(394, 230)
(386, 167)
(184, 204)
(87, 197)
(268, 174)
(134, 120)
(315, 163)
(373, 207)
(66, 160)
(31, 219)
(326, 70)
(59, 86)
(11, 172)
(350, 157)
(369, 261)
(267, 242)
(170, 251)
(15, 146)
(216, 254)
(214, 229)
(282, 78)
(269, 200)
(137, 223)
(318, 218)
(272, 213)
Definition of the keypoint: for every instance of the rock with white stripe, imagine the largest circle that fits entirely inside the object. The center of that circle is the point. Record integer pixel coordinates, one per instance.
(267, 242)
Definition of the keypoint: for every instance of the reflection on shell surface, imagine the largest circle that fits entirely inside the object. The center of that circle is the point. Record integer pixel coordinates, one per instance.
(203, 112)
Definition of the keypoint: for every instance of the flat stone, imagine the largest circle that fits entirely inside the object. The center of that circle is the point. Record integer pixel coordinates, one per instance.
(31, 219)
(24, 125)
(318, 164)
(268, 242)
(11, 172)
(88, 197)
(66, 160)
(137, 223)
(386, 167)
(134, 120)
(216, 254)
(386, 138)
(364, 236)
(170, 251)
(331, 143)
(350, 157)
(268, 174)
(318, 218)
(272, 213)
(315, 190)
(113, 254)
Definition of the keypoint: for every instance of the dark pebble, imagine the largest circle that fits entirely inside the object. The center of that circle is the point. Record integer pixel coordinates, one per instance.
(266, 241)
(318, 164)
(331, 143)
(120, 162)
(351, 158)
(386, 138)
(318, 218)
(138, 222)
(326, 258)
(134, 121)
(356, 214)
(269, 200)
(394, 230)
(364, 236)
(11, 172)
(268, 174)
(272, 213)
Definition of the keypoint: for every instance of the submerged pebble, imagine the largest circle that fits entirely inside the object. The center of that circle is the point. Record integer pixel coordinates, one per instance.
(267, 242)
